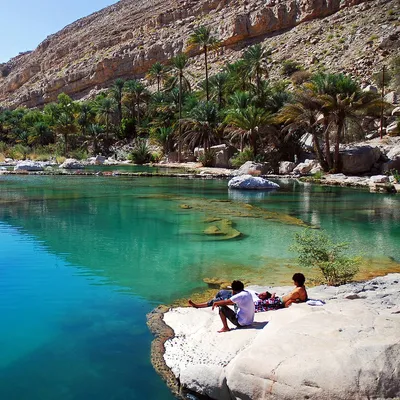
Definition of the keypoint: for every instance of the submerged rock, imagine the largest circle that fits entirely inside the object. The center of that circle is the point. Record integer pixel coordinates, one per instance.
(348, 348)
(249, 182)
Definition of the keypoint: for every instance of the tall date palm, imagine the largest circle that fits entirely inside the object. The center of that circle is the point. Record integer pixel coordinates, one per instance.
(202, 37)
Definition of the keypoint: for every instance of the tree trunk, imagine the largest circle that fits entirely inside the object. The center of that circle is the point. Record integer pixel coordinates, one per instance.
(336, 166)
(180, 117)
(319, 154)
(205, 59)
(328, 156)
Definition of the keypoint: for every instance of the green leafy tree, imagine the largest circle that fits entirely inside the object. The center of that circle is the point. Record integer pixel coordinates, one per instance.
(64, 126)
(179, 64)
(157, 73)
(249, 124)
(202, 125)
(135, 95)
(86, 117)
(106, 107)
(116, 93)
(256, 58)
(303, 113)
(202, 37)
(316, 249)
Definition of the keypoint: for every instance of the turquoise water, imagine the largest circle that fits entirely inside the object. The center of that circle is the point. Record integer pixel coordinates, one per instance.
(84, 259)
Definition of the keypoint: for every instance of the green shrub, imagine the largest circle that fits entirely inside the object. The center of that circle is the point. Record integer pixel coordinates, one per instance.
(289, 67)
(18, 152)
(3, 148)
(141, 153)
(79, 154)
(207, 158)
(318, 175)
(395, 174)
(240, 158)
(316, 249)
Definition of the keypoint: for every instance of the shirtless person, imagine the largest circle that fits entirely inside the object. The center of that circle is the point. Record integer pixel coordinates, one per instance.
(244, 307)
(297, 295)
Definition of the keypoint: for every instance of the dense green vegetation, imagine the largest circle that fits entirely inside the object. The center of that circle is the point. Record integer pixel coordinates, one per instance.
(238, 106)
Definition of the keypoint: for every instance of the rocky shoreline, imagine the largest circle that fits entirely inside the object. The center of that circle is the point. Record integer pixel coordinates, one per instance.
(348, 348)
(375, 183)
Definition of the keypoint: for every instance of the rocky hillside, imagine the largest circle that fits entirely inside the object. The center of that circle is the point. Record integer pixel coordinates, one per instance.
(125, 39)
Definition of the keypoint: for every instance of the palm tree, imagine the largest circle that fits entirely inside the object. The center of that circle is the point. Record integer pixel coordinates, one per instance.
(65, 125)
(105, 108)
(157, 72)
(249, 123)
(86, 116)
(217, 88)
(304, 113)
(255, 58)
(179, 63)
(135, 94)
(349, 105)
(40, 134)
(202, 37)
(240, 100)
(116, 92)
(95, 131)
(238, 74)
(201, 127)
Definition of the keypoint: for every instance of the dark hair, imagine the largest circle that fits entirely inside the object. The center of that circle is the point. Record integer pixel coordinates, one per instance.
(237, 286)
(299, 278)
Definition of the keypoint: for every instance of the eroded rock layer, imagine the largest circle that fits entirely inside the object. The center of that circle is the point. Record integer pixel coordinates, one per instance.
(125, 39)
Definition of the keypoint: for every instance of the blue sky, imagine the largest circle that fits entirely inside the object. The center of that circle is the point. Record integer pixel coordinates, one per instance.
(26, 23)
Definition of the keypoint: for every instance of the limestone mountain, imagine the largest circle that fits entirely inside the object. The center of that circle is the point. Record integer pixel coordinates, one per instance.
(125, 39)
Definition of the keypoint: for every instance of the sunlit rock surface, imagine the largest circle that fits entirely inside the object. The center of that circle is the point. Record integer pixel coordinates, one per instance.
(347, 349)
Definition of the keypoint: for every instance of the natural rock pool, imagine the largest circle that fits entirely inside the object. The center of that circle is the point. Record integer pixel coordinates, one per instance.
(84, 259)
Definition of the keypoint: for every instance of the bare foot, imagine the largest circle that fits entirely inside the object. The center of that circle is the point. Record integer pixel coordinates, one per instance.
(224, 330)
(192, 304)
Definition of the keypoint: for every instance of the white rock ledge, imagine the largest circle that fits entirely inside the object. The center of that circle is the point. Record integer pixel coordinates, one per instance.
(347, 349)
(249, 182)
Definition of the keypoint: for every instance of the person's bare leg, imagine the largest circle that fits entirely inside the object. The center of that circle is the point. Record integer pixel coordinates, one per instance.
(197, 305)
(225, 327)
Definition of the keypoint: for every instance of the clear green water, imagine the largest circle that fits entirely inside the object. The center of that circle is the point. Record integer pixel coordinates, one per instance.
(83, 259)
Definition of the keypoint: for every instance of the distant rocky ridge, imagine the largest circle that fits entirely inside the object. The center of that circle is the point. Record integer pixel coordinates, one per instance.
(125, 39)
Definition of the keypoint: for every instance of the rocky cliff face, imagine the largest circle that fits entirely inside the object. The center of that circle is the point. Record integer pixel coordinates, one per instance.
(125, 39)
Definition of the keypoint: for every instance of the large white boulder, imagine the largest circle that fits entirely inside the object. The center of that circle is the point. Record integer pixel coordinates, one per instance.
(28, 165)
(306, 167)
(253, 168)
(286, 167)
(249, 182)
(71, 163)
(347, 349)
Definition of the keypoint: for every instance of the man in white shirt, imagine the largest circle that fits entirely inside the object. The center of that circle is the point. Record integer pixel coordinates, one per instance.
(244, 308)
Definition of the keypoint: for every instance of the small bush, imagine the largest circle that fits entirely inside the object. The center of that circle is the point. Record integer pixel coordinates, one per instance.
(79, 154)
(240, 158)
(395, 174)
(318, 175)
(207, 158)
(289, 67)
(156, 157)
(141, 153)
(316, 249)
(300, 77)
